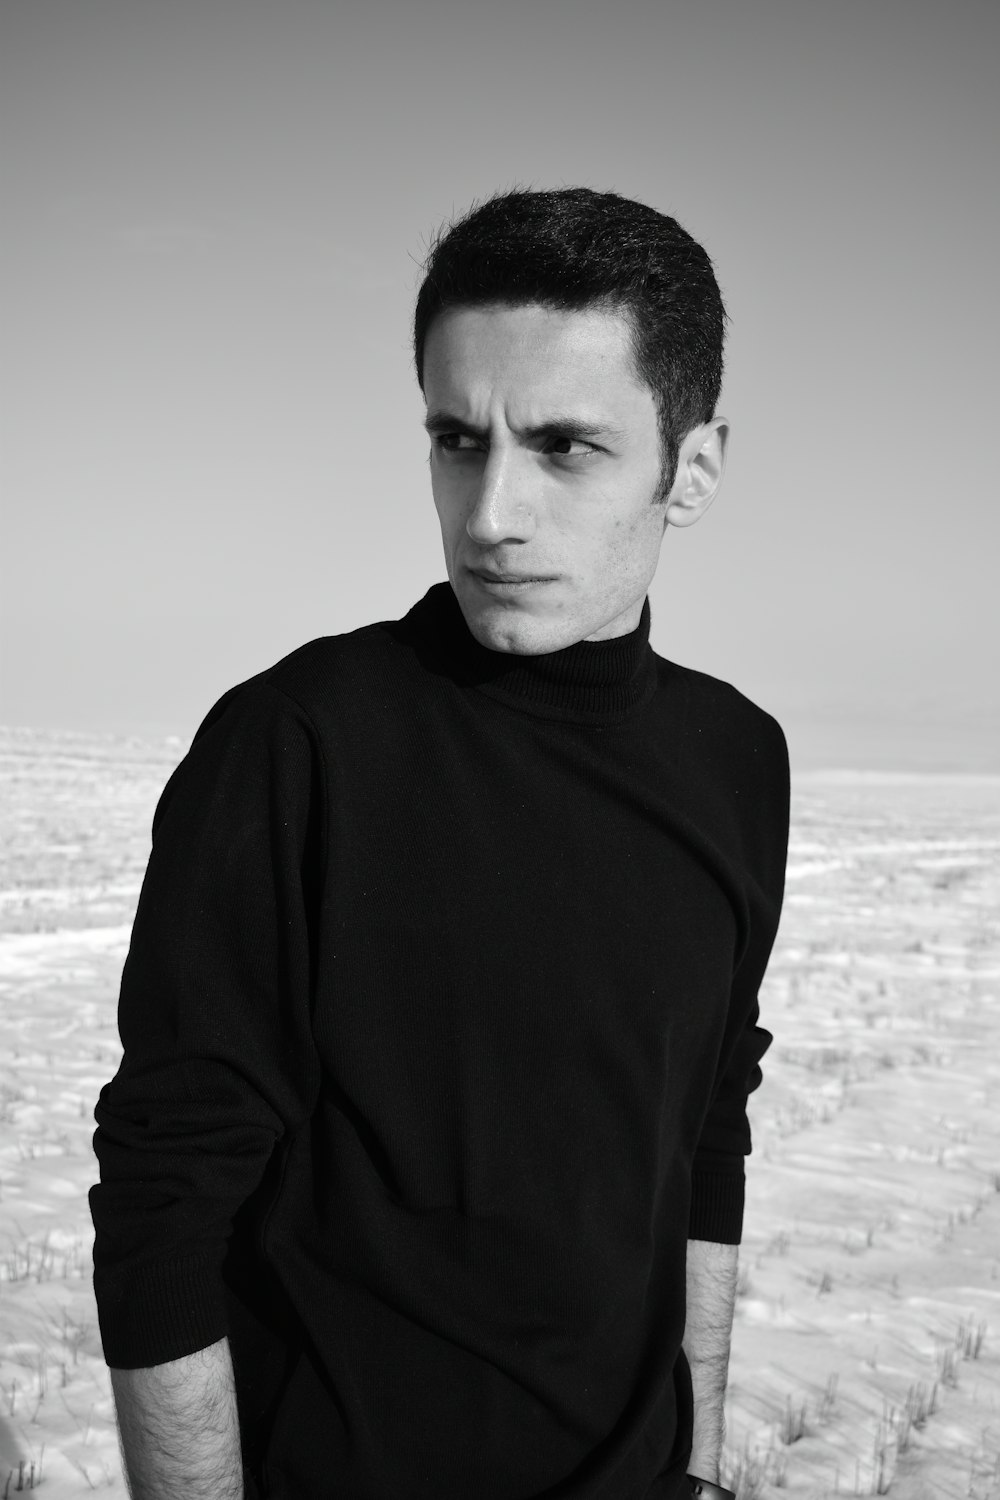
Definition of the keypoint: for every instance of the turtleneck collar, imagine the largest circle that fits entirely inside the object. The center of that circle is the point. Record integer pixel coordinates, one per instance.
(592, 682)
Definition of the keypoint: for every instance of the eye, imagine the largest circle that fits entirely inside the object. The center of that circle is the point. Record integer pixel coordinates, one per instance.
(456, 442)
(568, 447)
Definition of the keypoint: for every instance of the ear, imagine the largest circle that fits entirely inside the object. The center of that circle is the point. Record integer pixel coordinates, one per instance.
(701, 463)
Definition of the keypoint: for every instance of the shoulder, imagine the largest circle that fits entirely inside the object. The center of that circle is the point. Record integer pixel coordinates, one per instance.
(300, 686)
(723, 723)
(308, 675)
(293, 719)
(268, 727)
(732, 760)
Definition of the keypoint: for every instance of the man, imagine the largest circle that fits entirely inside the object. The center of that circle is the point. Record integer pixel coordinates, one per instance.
(426, 1151)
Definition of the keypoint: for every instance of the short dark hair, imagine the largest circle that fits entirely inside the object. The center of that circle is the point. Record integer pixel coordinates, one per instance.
(574, 248)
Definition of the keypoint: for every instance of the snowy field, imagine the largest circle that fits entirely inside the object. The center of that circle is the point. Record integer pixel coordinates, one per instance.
(867, 1345)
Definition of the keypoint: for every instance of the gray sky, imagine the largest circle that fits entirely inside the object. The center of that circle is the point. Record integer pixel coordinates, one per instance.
(214, 216)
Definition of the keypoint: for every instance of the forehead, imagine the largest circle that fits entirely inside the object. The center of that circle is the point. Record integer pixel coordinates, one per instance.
(530, 354)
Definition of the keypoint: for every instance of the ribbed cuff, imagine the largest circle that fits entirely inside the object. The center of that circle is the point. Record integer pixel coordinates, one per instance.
(717, 1207)
(153, 1313)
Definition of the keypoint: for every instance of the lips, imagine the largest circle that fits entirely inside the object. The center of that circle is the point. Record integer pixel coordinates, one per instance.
(488, 576)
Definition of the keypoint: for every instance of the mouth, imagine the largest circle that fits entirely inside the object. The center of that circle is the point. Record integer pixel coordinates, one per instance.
(508, 583)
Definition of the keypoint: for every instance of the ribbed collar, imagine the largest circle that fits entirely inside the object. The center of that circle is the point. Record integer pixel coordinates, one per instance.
(592, 682)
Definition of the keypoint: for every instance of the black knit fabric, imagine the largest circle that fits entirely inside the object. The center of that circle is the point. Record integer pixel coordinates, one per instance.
(439, 1019)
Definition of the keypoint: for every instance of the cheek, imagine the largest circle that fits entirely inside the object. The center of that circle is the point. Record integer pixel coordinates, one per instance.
(446, 503)
(641, 528)
(634, 542)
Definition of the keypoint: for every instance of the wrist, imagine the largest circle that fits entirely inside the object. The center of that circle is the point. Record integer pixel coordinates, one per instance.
(708, 1490)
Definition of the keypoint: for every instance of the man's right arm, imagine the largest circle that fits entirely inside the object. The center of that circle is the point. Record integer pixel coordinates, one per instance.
(179, 1429)
(219, 1070)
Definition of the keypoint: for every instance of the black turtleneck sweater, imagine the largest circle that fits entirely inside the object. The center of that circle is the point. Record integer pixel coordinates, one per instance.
(439, 1020)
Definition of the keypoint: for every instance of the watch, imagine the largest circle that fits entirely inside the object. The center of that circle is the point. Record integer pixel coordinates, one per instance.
(708, 1490)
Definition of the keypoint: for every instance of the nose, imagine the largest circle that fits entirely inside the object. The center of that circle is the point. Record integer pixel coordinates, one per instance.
(502, 510)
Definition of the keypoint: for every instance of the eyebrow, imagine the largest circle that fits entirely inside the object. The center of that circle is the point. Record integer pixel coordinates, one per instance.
(437, 422)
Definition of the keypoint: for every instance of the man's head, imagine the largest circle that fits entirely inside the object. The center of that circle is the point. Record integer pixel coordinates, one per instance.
(574, 248)
(569, 346)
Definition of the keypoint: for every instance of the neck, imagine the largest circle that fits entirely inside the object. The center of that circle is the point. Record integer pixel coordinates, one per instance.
(592, 682)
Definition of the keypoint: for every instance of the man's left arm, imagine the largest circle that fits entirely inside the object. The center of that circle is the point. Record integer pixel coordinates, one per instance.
(711, 1297)
(718, 1182)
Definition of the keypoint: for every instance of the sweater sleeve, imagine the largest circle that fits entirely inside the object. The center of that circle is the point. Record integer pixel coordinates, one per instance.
(718, 1175)
(214, 1019)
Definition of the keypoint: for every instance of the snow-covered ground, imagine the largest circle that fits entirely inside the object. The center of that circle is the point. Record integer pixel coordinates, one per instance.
(866, 1353)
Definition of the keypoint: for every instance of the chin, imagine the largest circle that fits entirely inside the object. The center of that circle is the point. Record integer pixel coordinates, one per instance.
(517, 634)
